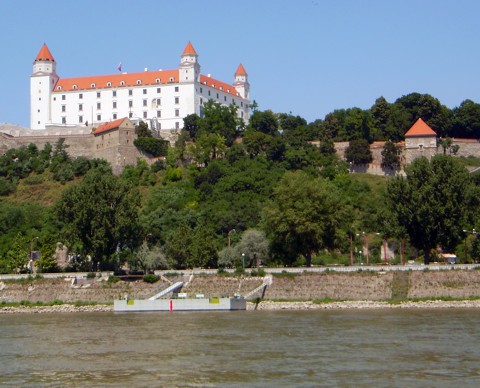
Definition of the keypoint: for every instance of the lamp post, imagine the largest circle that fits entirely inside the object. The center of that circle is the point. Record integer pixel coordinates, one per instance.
(365, 237)
(229, 237)
(30, 263)
(467, 232)
(243, 260)
(351, 247)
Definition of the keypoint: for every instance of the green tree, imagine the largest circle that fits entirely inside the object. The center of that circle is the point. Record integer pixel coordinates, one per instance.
(254, 245)
(358, 152)
(100, 215)
(391, 156)
(433, 202)
(142, 130)
(306, 215)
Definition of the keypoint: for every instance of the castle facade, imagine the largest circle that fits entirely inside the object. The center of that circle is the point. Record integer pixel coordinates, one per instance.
(161, 98)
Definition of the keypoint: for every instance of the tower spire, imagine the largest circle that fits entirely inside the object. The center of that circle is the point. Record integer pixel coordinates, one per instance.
(44, 54)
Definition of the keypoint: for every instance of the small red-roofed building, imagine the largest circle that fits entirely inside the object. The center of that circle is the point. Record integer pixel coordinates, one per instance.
(161, 98)
(420, 140)
(113, 141)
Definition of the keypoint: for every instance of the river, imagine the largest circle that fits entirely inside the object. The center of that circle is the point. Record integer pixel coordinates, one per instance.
(353, 348)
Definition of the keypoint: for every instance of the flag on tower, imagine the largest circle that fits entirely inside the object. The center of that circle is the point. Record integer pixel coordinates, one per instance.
(120, 66)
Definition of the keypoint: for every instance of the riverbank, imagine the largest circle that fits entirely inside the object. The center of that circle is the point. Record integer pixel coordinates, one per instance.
(355, 290)
(265, 305)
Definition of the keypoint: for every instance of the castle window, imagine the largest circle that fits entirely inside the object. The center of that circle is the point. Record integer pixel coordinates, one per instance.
(224, 98)
(144, 115)
(139, 82)
(114, 116)
(221, 87)
(201, 90)
(64, 108)
(64, 120)
(130, 115)
(177, 112)
(157, 81)
(176, 88)
(98, 94)
(130, 103)
(130, 92)
(93, 86)
(54, 98)
(159, 113)
(144, 91)
(59, 88)
(114, 104)
(217, 96)
(228, 90)
(99, 117)
(75, 87)
(80, 96)
(159, 90)
(159, 125)
(177, 100)
(201, 101)
(159, 101)
(80, 107)
(171, 79)
(109, 84)
(144, 102)
(122, 83)
(64, 97)
(99, 105)
(177, 125)
(114, 93)
(209, 93)
(80, 119)
(241, 104)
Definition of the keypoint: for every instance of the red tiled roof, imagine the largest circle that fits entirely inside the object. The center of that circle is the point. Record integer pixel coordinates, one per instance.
(241, 70)
(117, 80)
(189, 50)
(218, 85)
(420, 128)
(44, 54)
(108, 126)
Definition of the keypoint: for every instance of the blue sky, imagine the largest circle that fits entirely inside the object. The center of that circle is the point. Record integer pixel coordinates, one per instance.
(305, 57)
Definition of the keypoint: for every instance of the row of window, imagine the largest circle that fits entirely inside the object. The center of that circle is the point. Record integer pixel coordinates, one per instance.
(156, 102)
(209, 93)
(114, 93)
(122, 83)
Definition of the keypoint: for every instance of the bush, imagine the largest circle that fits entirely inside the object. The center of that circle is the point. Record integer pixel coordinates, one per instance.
(91, 275)
(151, 278)
(113, 279)
(259, 272)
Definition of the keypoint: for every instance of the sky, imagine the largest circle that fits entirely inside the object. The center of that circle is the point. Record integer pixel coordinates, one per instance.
(304, 57)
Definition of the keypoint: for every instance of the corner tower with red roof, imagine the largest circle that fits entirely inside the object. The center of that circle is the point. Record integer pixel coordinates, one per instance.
(42, 82)
(161, 98)
(420, 140)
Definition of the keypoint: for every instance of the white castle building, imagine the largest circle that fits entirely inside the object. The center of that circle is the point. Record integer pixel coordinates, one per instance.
(161, 98)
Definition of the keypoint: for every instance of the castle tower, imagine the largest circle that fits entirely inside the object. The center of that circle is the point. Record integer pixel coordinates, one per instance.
(189, 66)
(241, 82)
(420, 140)
(42, 82)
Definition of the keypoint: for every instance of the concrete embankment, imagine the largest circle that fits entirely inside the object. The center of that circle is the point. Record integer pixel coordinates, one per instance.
(358, 289)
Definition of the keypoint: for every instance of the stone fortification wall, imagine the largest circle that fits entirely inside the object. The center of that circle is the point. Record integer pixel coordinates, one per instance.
(373, 286)
(468, 147)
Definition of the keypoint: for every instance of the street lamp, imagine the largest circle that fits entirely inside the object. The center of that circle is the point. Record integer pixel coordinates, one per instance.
(30, 263)
(229, 237)
(365, 236)
(467, 232)
(243, 260)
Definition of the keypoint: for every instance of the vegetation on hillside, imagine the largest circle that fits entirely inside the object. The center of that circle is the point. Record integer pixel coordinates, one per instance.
(230, 194)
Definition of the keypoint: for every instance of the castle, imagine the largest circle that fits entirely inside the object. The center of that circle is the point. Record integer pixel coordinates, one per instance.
(96, 115)
(161, 98)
